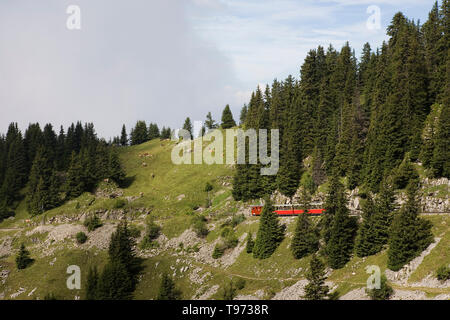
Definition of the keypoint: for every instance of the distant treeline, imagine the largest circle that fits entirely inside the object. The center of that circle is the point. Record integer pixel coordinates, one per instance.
(52, 167)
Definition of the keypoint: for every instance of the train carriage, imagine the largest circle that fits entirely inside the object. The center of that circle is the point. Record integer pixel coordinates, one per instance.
(289, 210)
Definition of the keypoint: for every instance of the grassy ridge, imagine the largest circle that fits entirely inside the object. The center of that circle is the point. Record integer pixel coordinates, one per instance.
(172, 195)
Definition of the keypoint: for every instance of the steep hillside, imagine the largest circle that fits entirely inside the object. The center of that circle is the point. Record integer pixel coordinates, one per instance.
(171, 196)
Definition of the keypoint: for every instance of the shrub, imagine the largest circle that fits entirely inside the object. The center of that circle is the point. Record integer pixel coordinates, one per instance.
(50, 296)
(225, 231)
(153, 230)
(237, 219)
(383, 293)
(240, 283)
(443, 273)
(93, 223)
(81, 237)
(119, 203)
(229, 291)
(134, 231)
(208, 187)
(219, 249)
(250, 243)
(23, 259)
(199, 226)
(231, 241)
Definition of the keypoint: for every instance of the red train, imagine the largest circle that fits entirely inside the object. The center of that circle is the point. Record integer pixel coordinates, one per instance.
(287, 210)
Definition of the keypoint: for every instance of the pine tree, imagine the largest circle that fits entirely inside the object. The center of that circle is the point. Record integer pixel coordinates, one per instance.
(75, 185)
(153, 131)
(39, 198)
(188, 126)
(123, 137)
(92, 284)
(316, 288)
(167, 289)
(409, 234)
(365, 241)
(305, 240)
(119, 277)
(440, 162)
(210, 123)
(270, 232)
(288, 177)
(250, 243)
(243, 115)
(139, 134)
(227, 118)
(23, 259)
(341, 230)
(115, 170)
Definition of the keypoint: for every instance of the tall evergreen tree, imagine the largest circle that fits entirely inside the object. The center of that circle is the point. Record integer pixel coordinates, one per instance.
(409, 234)
(139, 134)
(124, 137)
(227, 118)
(305, 240)
(210, 123)
(188, 126)
(92, 284)
(167, 289)
(342, 229)
(270, 232)
(243, 115)
(316, 288)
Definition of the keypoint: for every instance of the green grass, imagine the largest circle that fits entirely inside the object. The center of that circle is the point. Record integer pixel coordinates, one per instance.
(162, 183)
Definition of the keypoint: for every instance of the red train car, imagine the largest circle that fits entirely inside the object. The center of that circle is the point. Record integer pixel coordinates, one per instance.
(287, 210)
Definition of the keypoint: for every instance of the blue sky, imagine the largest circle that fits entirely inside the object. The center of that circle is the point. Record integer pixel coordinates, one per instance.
(265, 39)
(164, 60)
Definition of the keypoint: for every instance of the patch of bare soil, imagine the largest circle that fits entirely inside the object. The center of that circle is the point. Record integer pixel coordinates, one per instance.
(5, 246)
(206, 294)
(258, 295)
(357, 294)
(430, 281)
(294, 292)
(100, 237)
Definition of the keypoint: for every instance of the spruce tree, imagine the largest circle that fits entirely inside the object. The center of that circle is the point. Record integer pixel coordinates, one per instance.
(188, 126)
(210, 123)
(75, 185)
(440, 162)
(119, 277)
(227, 118)
(115, 170)
(123, 137)
(250, 243)
(167, 289)
(139, 134)
(243, 115)
(316, 288)
(92, 284)
(305, 240)
(270, 232)
(153, 131)
(23, 259)
(366, 239)
(341, 229)
(409, 234)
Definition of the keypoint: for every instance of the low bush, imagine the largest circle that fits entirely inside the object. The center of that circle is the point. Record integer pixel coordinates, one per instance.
(443, 273)
(81, 237)
(92, 223)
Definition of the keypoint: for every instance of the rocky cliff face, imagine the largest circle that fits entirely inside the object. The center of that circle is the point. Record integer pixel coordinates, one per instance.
(436, 201)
